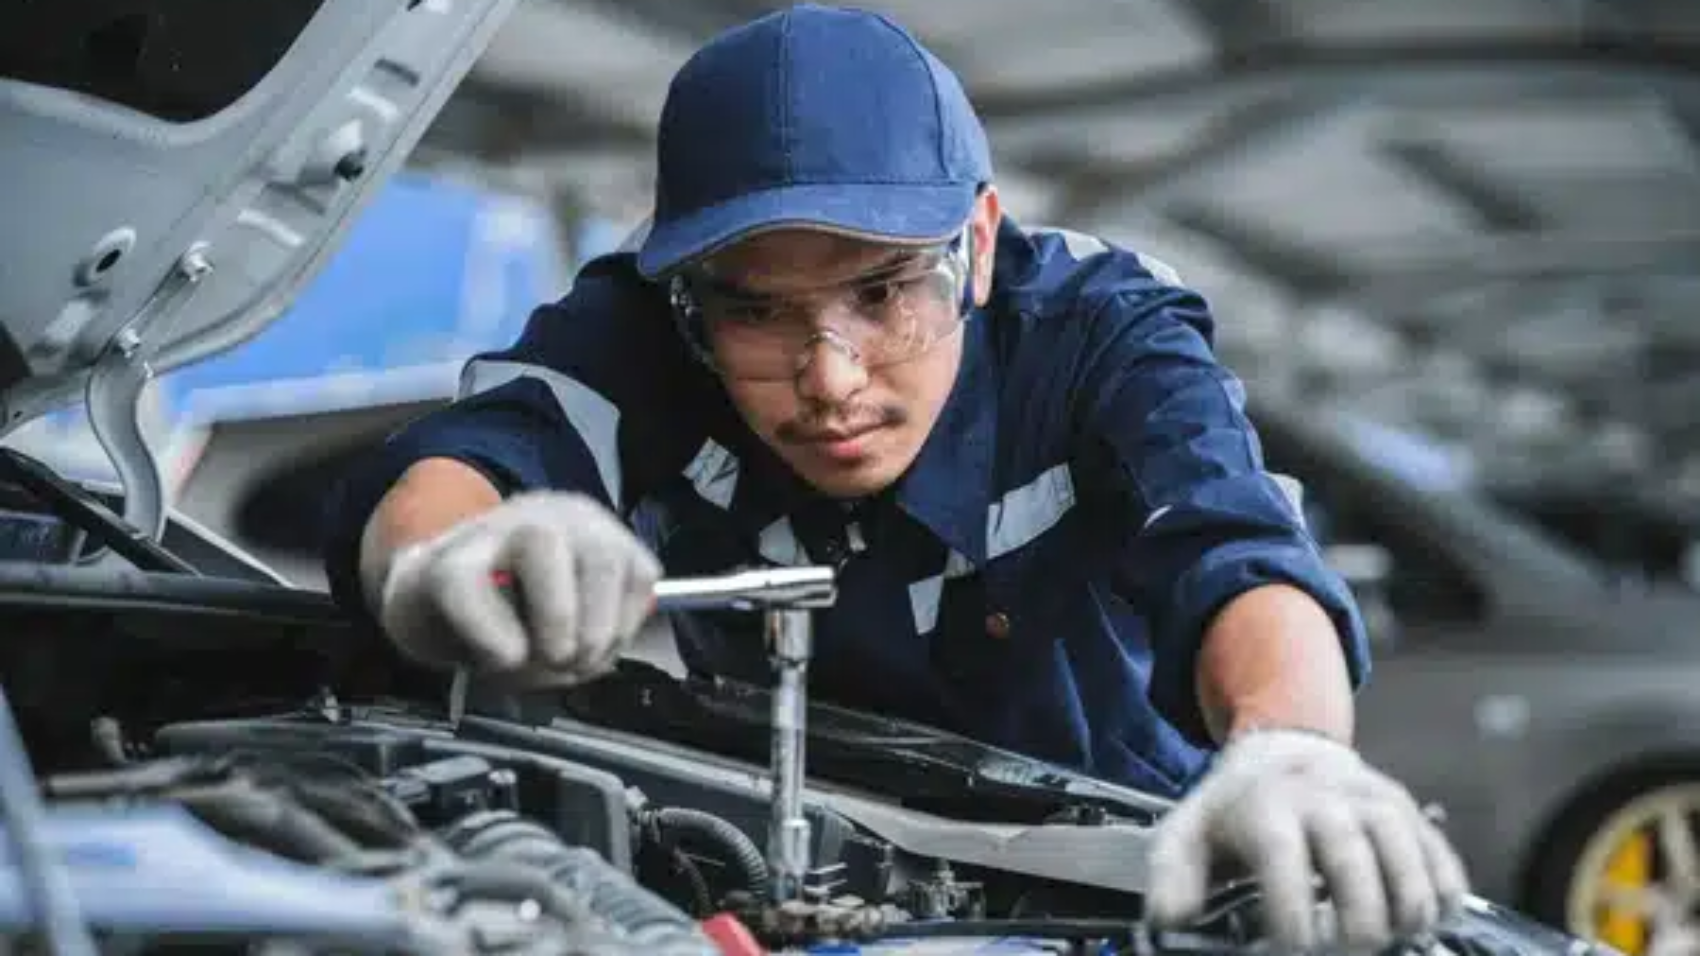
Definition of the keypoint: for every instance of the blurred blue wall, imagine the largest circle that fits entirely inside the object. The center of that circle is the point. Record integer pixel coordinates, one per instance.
(434, 271)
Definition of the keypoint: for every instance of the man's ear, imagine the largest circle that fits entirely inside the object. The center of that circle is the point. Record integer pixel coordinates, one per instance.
(988, 213)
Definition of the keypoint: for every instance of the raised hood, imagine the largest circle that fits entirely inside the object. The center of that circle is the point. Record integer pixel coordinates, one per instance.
(172, 172)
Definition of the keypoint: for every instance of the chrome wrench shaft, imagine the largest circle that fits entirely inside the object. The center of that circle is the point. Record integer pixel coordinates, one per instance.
(762, 588)
(787, 597)
(789, 639)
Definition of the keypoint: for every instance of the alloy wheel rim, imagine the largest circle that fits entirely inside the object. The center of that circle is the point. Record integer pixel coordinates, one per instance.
(1636, 886)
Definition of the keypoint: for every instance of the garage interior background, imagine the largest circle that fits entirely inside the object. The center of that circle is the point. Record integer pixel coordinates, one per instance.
(1454, 246)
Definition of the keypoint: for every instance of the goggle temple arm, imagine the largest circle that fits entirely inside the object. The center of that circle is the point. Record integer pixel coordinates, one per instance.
(687, 318)
(962, 249)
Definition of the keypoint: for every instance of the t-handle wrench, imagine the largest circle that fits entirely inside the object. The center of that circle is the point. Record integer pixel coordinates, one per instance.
(789, 641)
(787, 596)
(751, 590)
(756, 589)
(769, 589)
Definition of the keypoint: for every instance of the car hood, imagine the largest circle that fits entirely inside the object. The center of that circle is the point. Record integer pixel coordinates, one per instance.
(173, 173)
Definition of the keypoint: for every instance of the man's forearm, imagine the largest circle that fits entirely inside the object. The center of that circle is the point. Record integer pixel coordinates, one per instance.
(1272, 658)
(430, 497)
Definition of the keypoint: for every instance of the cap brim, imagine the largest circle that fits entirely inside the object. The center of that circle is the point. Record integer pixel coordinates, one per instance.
(881, 212)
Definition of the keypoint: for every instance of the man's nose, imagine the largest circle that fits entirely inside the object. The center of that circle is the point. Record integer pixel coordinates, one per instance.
(832, 371)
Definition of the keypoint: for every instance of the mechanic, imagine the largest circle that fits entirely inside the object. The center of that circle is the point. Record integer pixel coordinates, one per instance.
(1052, 525)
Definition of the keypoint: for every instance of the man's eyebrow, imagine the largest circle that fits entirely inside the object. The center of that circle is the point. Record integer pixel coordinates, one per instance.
(728, 288)
(894, 261)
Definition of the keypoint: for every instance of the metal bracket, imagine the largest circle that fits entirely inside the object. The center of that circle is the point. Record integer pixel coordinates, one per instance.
(113, 397)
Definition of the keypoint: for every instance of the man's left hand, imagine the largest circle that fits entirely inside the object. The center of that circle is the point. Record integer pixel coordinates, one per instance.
(1289, 805)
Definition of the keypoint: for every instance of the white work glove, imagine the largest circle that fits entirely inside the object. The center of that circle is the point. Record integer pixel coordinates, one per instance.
(582, 586)
(1290, 805)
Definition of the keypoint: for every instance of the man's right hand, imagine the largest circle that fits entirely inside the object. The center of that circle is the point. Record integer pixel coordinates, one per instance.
(1292, 805)
(581, 587)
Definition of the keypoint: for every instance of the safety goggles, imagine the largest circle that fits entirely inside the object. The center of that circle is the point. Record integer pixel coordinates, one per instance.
(878, 319)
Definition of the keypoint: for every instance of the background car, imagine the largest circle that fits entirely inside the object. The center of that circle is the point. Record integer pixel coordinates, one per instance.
(1644, 537)
(1548, 709)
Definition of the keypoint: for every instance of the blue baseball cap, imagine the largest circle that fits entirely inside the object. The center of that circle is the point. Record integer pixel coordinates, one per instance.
(816, 117)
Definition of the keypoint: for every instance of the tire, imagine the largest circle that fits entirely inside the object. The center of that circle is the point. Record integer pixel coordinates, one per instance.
(1617, 825)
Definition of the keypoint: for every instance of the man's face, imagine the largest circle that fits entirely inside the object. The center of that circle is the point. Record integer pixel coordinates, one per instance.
(847, 426)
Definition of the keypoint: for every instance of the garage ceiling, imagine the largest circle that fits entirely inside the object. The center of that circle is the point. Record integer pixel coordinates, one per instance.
(1475, 218)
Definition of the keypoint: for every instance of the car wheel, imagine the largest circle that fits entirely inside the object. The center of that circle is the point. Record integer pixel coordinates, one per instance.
(1623, 867)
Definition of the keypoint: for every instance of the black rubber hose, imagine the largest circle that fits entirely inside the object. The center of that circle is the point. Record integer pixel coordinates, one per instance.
(741, 852)
(135, 780)
(516, 882)
(270, 821)
(701, 897)
(366, 814)
(610, 894)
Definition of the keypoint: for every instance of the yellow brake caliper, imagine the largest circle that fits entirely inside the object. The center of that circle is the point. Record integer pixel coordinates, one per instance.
(1629, 871)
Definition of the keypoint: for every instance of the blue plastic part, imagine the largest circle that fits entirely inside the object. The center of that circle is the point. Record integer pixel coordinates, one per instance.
(158, 869)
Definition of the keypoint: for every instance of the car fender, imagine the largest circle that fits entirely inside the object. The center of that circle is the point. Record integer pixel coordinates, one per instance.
(1589, 751)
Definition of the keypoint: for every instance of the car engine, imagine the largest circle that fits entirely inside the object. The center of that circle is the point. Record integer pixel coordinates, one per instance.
(210, 807)
(375, 832)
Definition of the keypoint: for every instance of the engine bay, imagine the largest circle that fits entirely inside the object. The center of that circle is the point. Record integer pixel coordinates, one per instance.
(342, 828)
(212, 765)
(642, 860)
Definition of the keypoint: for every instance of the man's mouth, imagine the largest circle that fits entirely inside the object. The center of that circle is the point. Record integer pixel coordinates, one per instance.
(843, 435)
(837, 436)
(844, 446)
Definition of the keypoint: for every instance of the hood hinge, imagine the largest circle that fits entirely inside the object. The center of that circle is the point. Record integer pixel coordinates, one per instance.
(114, 396)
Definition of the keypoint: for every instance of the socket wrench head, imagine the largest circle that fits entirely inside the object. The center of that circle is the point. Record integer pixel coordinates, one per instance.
(790, 636)
(788, 857)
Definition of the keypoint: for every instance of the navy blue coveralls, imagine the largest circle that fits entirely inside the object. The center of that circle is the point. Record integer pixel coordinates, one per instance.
(1042, 576)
